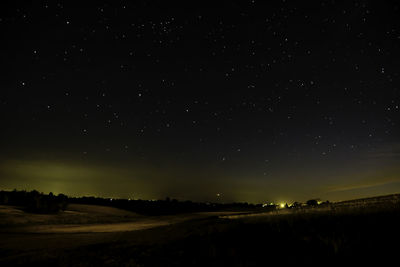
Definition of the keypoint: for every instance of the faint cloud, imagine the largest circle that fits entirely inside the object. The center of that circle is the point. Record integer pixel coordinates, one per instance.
(367, 183)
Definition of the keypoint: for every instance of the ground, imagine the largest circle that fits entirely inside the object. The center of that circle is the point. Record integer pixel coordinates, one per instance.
(94, 236)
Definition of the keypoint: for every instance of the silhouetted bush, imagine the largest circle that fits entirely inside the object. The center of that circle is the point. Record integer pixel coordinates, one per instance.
(312, 202)
(34, 201)
(296, 205)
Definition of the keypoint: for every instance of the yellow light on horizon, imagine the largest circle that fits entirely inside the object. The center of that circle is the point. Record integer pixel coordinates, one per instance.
(282, 205)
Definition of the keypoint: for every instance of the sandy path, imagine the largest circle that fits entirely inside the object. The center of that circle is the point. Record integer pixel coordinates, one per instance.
(139, 224)
(96, 228)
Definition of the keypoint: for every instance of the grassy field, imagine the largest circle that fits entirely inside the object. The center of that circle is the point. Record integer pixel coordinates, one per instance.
(353, 233)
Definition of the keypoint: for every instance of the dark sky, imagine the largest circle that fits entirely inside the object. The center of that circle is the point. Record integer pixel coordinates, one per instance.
(253, 100)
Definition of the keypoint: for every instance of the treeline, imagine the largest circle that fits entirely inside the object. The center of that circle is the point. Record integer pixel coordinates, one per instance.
(34, 201)
(161, 207)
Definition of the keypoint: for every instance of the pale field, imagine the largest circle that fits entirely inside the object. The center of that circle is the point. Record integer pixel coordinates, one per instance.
(79, 225)
(87, 235)
(75, 214)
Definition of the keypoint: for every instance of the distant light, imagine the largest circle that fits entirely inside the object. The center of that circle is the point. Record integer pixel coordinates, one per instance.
(282, 205)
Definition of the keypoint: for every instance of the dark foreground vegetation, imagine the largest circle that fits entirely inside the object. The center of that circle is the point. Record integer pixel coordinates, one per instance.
(355, 232)
(323, 238)
(312, 239)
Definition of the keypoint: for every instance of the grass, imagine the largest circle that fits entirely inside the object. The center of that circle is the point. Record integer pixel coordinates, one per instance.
(75, 214)
(343, 234)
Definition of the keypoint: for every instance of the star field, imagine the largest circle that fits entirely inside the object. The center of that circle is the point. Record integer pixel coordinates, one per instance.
(252, 100)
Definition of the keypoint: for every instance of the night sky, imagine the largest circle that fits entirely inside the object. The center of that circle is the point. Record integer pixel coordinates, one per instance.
(208, 101)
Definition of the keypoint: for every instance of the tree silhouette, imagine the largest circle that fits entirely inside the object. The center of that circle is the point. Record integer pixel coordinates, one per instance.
(312, 202)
